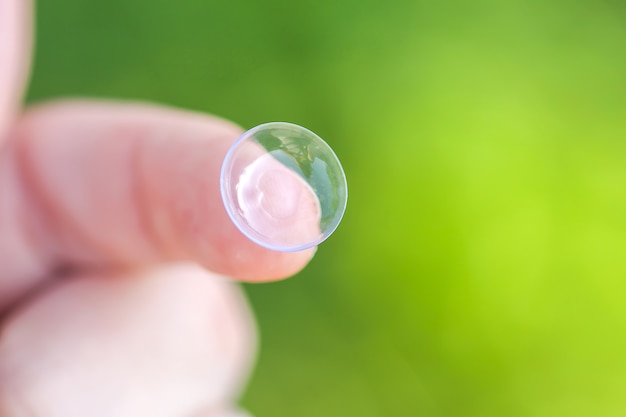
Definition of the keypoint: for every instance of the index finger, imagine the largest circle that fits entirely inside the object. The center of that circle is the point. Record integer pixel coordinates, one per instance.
(135, 184)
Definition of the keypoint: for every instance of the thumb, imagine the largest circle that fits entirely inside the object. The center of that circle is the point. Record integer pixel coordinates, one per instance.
(161, 343)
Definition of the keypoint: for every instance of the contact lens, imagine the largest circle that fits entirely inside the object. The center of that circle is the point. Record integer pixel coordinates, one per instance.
(283, 187)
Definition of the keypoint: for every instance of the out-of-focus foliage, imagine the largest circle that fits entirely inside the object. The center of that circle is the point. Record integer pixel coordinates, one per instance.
(481, 266)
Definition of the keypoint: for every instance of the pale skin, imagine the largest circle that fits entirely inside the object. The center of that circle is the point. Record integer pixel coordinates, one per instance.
(114, 253)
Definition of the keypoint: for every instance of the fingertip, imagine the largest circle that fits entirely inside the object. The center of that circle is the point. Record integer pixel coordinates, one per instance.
(264, 265)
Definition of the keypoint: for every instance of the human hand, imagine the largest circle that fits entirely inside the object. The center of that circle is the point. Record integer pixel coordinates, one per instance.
(95, 198)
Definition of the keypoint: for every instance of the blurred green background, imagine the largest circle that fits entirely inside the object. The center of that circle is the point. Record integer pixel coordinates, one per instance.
(480, 268)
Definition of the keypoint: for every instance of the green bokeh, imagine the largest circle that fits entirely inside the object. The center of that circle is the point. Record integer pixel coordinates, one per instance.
(481, 266)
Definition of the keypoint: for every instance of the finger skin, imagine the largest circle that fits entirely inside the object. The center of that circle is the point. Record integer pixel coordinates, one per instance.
(14, 53)
(137, 184)
(22, 266)
(161, 343)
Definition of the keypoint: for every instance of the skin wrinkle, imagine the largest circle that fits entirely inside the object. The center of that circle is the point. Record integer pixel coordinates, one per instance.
(189, 219)
(114, 250)
(137, 181)
(69, 234)
(32, 214)
(55, 220)
(145, 216)
(26, 221)
(160, 218)
(139, 206)
(184, 215)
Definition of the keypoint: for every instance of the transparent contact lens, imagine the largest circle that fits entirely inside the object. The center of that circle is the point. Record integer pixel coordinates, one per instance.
(283, 187)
